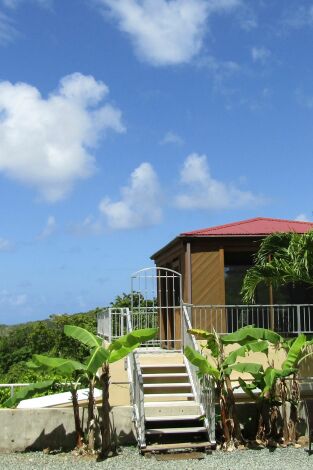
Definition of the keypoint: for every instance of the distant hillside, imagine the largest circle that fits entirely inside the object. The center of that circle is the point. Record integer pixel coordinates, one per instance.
(19, 342)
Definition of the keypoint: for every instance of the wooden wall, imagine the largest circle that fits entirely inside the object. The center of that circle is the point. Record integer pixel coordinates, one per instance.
(207, 274)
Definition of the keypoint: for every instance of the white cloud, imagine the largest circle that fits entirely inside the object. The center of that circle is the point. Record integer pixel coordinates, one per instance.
(298, 17)
(302, 218)
(6, 245)
(139, 205)
(205, 192)
(172, 138)
(260, 54)
(45, 142)
(8, 31)
(16, 3)
(12, 300)
(89, 226)
(49, 228)
(166, 32)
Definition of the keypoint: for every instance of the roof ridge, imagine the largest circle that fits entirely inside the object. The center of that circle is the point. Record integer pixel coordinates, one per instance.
(246, 221)
(225, 225)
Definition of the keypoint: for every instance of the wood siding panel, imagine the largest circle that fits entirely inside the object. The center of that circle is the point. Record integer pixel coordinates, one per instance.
(208, 286)
(207, 278)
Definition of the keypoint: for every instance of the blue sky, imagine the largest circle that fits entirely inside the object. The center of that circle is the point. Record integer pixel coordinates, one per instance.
(126, 122)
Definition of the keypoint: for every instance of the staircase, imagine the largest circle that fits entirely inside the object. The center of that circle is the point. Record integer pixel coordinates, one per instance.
(173, 416)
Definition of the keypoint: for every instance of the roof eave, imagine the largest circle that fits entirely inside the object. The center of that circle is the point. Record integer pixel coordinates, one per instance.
(165, 247)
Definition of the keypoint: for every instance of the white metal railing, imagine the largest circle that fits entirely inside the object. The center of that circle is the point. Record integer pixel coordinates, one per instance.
(13, 386)
(137, 390)
(137, 396)
(284, 319)
(111, 323)
(203, 389)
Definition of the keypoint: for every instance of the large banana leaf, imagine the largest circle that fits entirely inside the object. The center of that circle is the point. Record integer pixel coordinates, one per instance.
(97, 357)
(134, 337)
(200, 334)
(212, 344)
(123, 346)
(64, 367)
(28, 392)
(82, 335)
(294, 353)
(232, 357)
(247, 367)
(247, 388)
(258, 346)
(251, 333)
(201, 362)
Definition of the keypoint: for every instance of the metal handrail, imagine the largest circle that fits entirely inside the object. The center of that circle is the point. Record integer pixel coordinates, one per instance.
(111, 323)
(282, 318)
(203, 390)
(137, 390)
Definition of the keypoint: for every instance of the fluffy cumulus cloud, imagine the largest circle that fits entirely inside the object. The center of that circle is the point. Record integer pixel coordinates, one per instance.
(166, 32)
(46, 142)
(139, 205)
(205, 192)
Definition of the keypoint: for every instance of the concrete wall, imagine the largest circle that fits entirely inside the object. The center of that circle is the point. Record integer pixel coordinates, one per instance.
(22, 429)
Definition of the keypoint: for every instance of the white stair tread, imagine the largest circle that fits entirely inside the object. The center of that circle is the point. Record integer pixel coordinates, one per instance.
(179, 404)
(181, 445)
(173, 418)
(168, 385)
(161, 366)
(175, 430)
(169, 374)
(187, 395)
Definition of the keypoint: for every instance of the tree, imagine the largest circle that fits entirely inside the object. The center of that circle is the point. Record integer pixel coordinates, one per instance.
(103, 357)
(75, 372)
(282, 258)
(249, 339)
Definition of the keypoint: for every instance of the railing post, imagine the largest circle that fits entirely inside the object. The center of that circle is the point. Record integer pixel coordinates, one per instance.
(110, 326)
(299, 319)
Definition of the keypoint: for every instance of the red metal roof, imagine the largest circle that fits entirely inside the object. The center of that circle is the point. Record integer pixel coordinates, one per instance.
(252, 227)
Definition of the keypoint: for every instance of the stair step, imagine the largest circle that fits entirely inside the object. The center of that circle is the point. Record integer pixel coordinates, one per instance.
(168, 385)
(146, 366)
(169, 395)
(151, 419)
(181, 445)
(152, 376)
(156, 404)
(188, 430)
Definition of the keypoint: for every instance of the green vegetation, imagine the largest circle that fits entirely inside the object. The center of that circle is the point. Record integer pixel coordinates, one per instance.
(266, 386)
(282, 258)
(76, 373)
(19, 342)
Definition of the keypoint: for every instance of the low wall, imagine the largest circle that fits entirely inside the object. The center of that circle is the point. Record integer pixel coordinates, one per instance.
(37, 429)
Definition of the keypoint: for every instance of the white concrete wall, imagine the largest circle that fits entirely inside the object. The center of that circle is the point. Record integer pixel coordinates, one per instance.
(37, 429)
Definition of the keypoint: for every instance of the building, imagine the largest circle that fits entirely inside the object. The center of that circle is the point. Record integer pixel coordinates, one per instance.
(213, 262)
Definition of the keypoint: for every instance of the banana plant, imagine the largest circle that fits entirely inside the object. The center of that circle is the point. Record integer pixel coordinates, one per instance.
(269, 388)
(75, 372)
(101, 357)
(249, 339)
